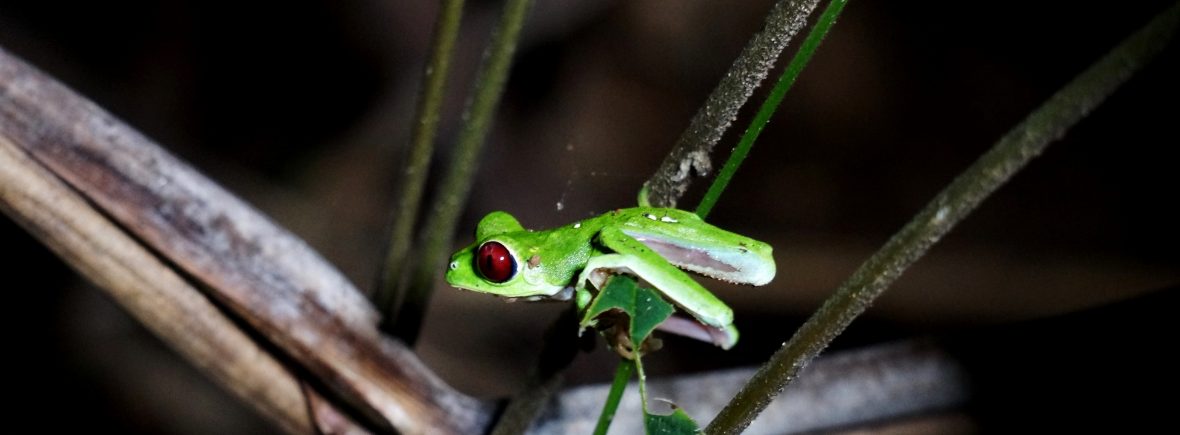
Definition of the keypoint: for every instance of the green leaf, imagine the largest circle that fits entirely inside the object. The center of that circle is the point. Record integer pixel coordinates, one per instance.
(673, 424)
(644, 307)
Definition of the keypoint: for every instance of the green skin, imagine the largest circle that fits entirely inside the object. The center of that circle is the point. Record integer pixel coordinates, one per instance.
(647, 242)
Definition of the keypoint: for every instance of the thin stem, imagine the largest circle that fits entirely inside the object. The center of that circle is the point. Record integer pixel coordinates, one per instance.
(826, 20)
(417, 163)
(622, 377)
(638, 361)
(692, 149)
(456, 183)
(1009, 155)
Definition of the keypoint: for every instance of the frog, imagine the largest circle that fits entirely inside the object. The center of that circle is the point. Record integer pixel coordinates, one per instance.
(656, 245)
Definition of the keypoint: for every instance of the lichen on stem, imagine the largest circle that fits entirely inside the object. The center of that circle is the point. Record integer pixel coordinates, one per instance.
(692, 149)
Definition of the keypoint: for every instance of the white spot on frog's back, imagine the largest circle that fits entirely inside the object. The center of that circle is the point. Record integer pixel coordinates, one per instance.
(668, 219)
(577, 225)
(650, 216)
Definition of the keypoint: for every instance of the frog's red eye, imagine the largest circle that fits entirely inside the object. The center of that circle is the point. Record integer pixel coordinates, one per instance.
(495, 262)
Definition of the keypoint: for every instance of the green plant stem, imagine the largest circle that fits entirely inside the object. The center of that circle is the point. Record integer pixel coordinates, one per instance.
(456, 184)
(642, 380)
(1009, 155)
(417, 163)
(802, 57)
(692, 149)
(622, 377)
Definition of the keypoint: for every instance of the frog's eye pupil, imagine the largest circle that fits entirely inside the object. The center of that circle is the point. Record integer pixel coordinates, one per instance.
(495, 262)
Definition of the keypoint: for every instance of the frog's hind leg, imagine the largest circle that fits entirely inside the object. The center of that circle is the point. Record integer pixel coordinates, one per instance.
(632, 256)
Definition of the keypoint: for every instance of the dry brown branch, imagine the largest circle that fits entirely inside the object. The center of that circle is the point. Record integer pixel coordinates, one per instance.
(260, 272)
(148, 289)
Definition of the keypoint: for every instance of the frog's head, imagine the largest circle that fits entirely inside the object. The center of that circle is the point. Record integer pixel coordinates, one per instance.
(498, 263)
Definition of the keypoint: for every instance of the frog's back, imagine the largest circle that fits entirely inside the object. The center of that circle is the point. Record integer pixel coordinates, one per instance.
(558, 253)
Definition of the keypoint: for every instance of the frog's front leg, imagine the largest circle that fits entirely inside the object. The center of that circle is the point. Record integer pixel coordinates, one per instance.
(582, 296)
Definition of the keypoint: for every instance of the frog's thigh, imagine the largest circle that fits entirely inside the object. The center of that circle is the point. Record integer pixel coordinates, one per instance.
(663, 276)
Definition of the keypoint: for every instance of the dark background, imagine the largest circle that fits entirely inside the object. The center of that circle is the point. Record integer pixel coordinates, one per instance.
(303, 109)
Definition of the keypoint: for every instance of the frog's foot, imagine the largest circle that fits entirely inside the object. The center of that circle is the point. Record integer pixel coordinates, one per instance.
(642, 199)
(683, 326)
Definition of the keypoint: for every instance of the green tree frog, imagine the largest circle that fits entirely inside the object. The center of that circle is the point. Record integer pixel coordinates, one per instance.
(650, 243)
